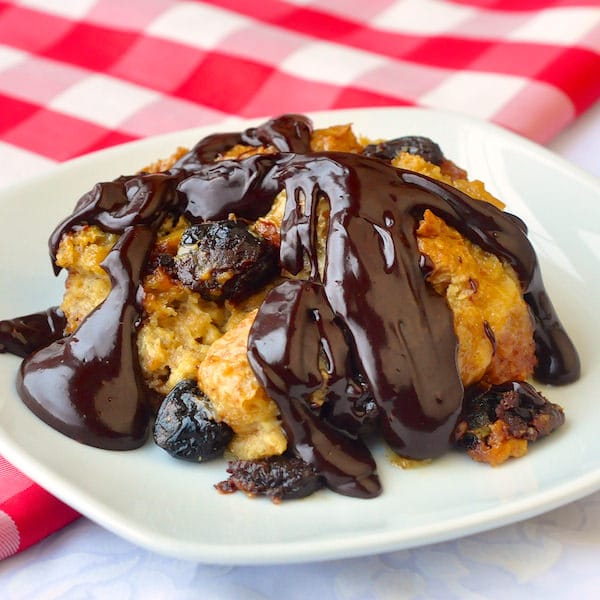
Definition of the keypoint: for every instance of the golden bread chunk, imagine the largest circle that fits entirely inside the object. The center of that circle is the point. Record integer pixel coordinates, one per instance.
(491, 319)
(448, 173)
(337, 138)
(177, 332)
(226, 377)
(87, 284)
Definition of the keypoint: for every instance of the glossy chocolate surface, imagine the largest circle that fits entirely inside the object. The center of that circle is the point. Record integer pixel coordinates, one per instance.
(89, 385)
(24, 335)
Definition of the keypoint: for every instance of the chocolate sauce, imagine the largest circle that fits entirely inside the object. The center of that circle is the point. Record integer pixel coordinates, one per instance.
(489, 333)
(125, 202)
(24, 335)
(288, 133)
(558, 362)
(245, 188)
(369, 325)
(294, 324)
(372, 257)
(89, 385)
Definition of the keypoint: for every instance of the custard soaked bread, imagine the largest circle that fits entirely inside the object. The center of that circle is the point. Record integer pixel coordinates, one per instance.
(312, 286)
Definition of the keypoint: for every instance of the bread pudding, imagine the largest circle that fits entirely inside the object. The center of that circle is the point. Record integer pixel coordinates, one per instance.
(284, 295)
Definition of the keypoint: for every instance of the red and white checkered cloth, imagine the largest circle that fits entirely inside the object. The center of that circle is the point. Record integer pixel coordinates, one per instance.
(79, 75)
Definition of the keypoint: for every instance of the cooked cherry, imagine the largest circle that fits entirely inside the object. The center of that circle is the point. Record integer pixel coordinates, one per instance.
(186, 426)
(279, 477)
(224, 260)
(413, 144)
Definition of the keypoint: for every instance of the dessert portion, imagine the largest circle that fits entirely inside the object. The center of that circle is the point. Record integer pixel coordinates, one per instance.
(283, 294)
(498, 423)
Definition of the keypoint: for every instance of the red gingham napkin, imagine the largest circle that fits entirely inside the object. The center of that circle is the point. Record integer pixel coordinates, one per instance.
(28, 513)
(82, 75)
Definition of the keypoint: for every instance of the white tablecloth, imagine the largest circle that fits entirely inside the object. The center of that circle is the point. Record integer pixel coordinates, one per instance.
(555, 555)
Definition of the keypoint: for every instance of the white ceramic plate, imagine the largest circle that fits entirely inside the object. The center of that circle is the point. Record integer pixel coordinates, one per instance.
(172, 508)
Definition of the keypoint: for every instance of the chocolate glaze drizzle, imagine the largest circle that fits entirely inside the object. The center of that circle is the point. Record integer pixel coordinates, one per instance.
(291, 328)
(88, 385)
(288, 133)
(23, 335)
(367, 326)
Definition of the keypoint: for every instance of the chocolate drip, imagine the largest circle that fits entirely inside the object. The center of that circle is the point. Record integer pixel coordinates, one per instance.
(244, 188)
(287, 133)
(89, 385)
(24, 335)
(295, 328)
(125, 202)
(372, 257)
(558, 361)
